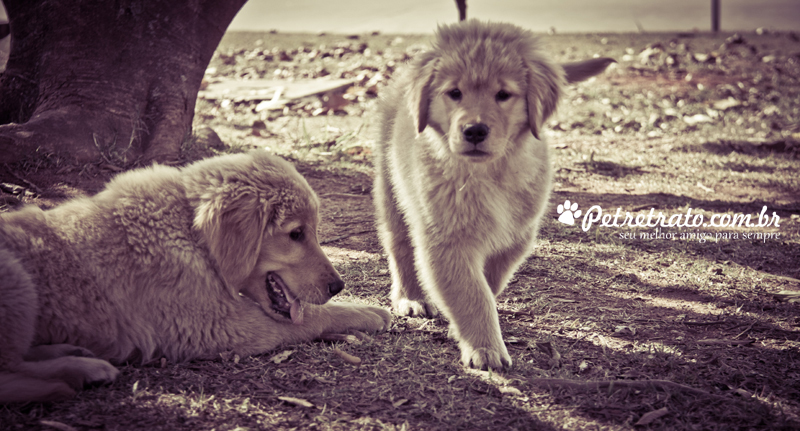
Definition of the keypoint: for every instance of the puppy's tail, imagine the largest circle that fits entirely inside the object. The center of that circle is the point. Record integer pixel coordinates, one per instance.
(583, 70)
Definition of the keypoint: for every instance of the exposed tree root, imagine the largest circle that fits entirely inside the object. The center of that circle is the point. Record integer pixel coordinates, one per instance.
(663, 385)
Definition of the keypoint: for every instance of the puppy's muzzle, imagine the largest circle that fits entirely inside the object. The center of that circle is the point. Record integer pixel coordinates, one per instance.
(475, 133)
(335, 287)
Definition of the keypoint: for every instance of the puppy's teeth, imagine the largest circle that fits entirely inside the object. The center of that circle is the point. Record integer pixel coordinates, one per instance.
(288, 294)
(296, 311)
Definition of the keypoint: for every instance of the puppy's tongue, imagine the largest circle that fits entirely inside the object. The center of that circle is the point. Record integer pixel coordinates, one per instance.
(296, 308)
(296, 312)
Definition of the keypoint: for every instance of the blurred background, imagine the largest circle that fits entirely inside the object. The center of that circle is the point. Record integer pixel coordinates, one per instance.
(422, 16)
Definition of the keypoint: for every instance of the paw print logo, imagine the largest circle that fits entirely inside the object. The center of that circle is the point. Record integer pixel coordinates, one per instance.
(569, 212)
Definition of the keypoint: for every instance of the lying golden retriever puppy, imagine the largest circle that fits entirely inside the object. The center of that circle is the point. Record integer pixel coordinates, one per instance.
(463, 175)
(179, 263)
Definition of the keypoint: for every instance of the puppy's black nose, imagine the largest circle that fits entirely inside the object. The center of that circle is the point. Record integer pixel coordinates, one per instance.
(335, 287)
(476, 133)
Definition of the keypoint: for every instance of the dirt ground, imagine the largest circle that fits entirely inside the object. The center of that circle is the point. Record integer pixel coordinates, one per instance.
(612, 327)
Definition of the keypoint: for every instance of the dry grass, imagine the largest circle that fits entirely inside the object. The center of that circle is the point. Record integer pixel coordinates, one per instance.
(606, 329)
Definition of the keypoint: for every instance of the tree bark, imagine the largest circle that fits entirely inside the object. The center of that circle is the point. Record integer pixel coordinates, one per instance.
(112, 80)
(462, 9)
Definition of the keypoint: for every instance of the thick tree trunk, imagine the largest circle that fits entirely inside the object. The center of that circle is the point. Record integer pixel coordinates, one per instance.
(106, 79)
(462, 9)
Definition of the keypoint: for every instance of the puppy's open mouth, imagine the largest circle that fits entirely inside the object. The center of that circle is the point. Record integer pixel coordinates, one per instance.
(283, 301)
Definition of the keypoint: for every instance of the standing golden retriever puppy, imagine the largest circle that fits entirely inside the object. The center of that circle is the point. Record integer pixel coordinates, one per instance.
(463, 175)
(179, 263)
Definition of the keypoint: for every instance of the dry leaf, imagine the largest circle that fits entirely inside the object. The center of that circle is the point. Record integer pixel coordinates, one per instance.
(399, 403)
(787, 295)
(701, 58)
(649, 417)
(296, 401)
(510, 390)
(728, 103)
(564, 300)
(707, 189)
(515, 340)
(623, 331)
(697, 119)
(274, 103)
(281, 357)
(555, 357)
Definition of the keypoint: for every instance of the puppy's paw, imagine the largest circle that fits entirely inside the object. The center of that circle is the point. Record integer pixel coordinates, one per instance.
(371, 319)
(85, 372)
(101, 373)
(484, 358)
(413, 308)
(383, 321)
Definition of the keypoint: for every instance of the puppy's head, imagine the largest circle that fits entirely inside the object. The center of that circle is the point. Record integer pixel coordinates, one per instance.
(482, 85)
(259, 218)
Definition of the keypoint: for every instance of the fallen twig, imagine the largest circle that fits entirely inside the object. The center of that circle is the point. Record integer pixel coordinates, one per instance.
(704, 188)
(516, 313)
(721, 342)
(663, 385)
(716, 322)
(28, 183)
(350, 359)
(745, 331)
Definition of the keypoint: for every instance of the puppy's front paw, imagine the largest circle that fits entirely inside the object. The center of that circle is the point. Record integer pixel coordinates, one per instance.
(484, 358)
(102, 373)
(413, 308)
(82, 372)
(375, 319)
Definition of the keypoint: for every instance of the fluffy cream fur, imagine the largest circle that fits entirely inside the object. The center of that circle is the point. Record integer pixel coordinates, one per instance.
(154, 265)
(457, 214)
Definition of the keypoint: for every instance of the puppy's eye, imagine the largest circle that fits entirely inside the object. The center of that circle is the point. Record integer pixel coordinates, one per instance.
(296, 234)
(502, 96)
(455, 94)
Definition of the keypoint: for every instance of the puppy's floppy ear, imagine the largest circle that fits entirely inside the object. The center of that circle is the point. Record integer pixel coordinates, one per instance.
(545, 81)
(583, 70)
(233, 225)
(419, 100)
